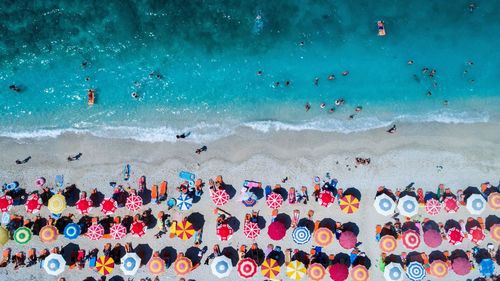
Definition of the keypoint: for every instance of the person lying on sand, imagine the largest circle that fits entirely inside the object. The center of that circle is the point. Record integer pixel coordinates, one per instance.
(183, 135)
(76, 157)
(201, 149)
(23, 161)
(392, 129)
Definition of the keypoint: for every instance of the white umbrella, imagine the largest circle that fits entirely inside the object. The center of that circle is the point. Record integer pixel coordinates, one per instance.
(384, 205)
(394, 272)
(221, 266)
(54, 264)
(130, 263)
(408, 206)
(476, 204)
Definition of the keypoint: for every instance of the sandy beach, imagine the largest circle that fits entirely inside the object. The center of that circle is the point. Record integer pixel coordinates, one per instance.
(457, 155)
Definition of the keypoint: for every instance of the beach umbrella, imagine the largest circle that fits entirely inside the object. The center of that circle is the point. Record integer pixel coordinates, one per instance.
(118, 231)
(138, 229)
(276, 230)
(184, 202)
(326, 198)
(72, 231)
(476, 235)
(461, 266)
(95, 232)
(295, 270)
(156, 265)
(57, 204)
(4, 235)
(316, 272)
(432, 238)
(411, 239)
(220, 197)
(439, 269)
(384, 205)
(104, 265)
(270, 268)
(251, 230)
(359, 273)
(48, 234)
(130, 263)
(33, 204)
(495, 232)
(22, 235)
(450, 205)
(388, 243)
(487, 267)
(301, 235)
(433, 206)
(476, 204)
(108, 206)
(338, 272)
(348, 240)
(246, 268)
(249, 199)
(83, 205)
(408, 206)
(415, 271)
(54, 264)
(455, 236)
(184, 230)
(393, 272)
(5, 203)
(134, 203)
(323, 237)
(221, 266)
(349, 204)
(274, 200)
(224, 232)
(182, 266)
(494, 201)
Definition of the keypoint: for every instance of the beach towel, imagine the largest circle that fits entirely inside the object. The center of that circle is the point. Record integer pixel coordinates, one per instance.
(154, 192)
(92, 262)
(268, 190)
(59, 181)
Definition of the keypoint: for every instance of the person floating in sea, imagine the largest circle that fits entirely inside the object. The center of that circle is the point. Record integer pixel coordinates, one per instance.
(345, 73)
(201, 149)
(183, 135)
(23, 161)
(259, 72)
(331, 77)
(316, 81)
(308, 106)
(135, 95)
(358, 108)
(429, 93)
(339, 102)
(15, 88)
(322, 105)
(410, 62)
(472, 7)
(392, 130)
(287, 83)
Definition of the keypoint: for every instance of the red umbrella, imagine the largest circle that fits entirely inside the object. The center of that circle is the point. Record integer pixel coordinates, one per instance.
(326, 198)
(33, 204)
(5, 203)
(450, 205)
(118, 231)
(432, 238)
(455, 236)
(411, 239)
(108, 206)
(83, 206)
(338, 272)
(134, 202)
(225, 232)
(138, 228)
(476, 235)
(95, 232)
(276, 230)
(432, 206)
(220, 197)
(348, 240)
(461, 266)
(274, 200)
(251, 230)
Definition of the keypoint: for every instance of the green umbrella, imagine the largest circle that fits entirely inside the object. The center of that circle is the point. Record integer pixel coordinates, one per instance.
(4, 235)
(22, 235)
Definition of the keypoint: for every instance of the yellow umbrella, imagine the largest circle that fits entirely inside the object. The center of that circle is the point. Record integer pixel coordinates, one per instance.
(296, 270)
(4, 235)
(184, 230)
(57, 204)
(270, 268)
(349, 204)
(323, 236)
(105, 265)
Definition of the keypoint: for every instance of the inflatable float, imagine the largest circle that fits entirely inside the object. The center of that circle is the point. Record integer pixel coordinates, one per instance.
(381, 28)
(187, 176)
(91, 96)
(40, 181)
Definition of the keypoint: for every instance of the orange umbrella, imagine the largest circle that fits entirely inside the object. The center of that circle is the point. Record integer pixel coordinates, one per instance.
(104, 265)
(388, 243)
(182, 266)
(439, 269)
(349, 204)
(494, 201)
(316, 272)
(156, 265)
(495, 232)
(359, 273)
(323, 236)
(48, 234)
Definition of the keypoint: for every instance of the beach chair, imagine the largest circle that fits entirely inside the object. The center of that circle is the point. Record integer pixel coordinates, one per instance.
(172, 229)
(163, 190)
(154, 193)
(295, 218)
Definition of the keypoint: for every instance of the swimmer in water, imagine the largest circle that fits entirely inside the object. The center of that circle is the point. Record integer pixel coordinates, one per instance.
(307, 106)
(445, 102)
(470, 63)
(276, 84)
(15, 88)
(345, 73)
(301, 43)
(351, 116)
(410, 62)
(287, 83)
(433, 72)
(316, 81)
(322, 105)
(425, 70)
(339, 102)
(429, 93)
(331, 77)
(135, 95)
(87, 78)
(472, 7)
(259, 73)
(84, 64)
(331, 110)
(358, 108)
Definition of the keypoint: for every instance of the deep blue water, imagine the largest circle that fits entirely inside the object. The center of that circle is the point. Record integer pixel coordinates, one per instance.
(208, 53)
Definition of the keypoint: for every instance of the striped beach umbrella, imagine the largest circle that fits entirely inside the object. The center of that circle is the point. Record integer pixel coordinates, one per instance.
(433, 207)
(184, 230)
(476, 235)
(108, 206)
(138, 229)
(408, 206)
(220, 197)
(411, 239)
(182, 266)
(249, 199)
(316, 272)
(338, 272)
(133, 203)
(118, 231)
(323, 237)
(72, 231)
(415, 271)
(270, 268)
(451, 205)
(349, 204)
(251, 230)
(4, 235)
(5, 203)
(130, 263)
(48, 234)
(348, 240)
(247, 268)
(439, 269)
(95, 232)
(274, 200)
(83, 206)
(476, 204)
(495, 232)
(54, 264)
(295, 270)
(494, 201)
(393, 272)
(33, 204)
(221, 266)
(224, 232)
(184, 202)
(57, 204)
(104, 265)
(388, 243)
(23, 235)
(326, 198)
(384, 205)
(455, 236)
(301, 235)
(359, 273)
(157, 266)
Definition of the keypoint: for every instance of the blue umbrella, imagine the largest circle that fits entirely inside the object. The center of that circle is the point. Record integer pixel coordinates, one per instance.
(130, 263)
(487, 267)
(249, 199)
(415, 271)
(72, 231)
(393, 272)
(301, 235)
(221, 266)
(184, 202)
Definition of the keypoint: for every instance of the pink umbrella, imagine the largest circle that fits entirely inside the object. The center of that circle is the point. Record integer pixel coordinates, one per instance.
(5, 203)
(411, 239)
(348, 240)
(251, 230)
(432, 206)
(134, 202)
(138, 229)
(450, 205)
(220, 197)
(225, 232)
(338, 272)
(455, 236)
(276, 230)
(274, 200)
(118, 231)
(476, 235)
(83, 206)
(33, 204)
(432, 238)
(95, 232)
(461, 266)
(326, 198)
(108, 206)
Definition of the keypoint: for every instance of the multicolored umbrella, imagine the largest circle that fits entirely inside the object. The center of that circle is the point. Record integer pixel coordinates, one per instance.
(249, 199)
(455, 236)
(408, 206)
(33, 204)
(494, 201)
(338, 272)
(224, 232)
(461, 266)
(349, 204)
(4, 235)
(157, 266)
(439, 269)
(326, 198)
(108, 206)
(54, 264)
(323, 237)
(476, 204)
(184, 202)
(301, 235)
(295, 270)
(348, 240)
(182, 266)
(118, 231)
(495, 232)
(221, 266)
(251, 230)
(316, 272)
(247, 268)
(476, 235)
(184, 230)
(5, 203)
(134, 203)
(270, 268)
(433, 207)
(104, 265)
(57, 204)
(359, 273)
(83, 206)
(95, 232)
(276, 230)
(384, 205)
(48, 234)
(130, 263)
(72, 231)
(23, 235)
(388, 243)
(274, 200)
(451, 205)
(415, 271)
(393, 272)
(138, 229)
(432, 238)
(487, 267)
(411, 239)
(220, 197)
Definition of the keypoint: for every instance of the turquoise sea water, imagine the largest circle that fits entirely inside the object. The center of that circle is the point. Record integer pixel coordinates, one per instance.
(208, 54)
